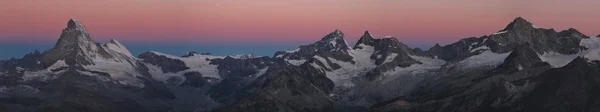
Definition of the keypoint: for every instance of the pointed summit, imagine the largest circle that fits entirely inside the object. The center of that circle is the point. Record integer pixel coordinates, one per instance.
(74, 24)
(332, 41)
(437, 45)
(75, 46)
(334, 35)
(366, 39)
(518, 24)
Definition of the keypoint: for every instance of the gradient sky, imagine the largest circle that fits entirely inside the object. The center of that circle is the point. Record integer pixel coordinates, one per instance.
(415, 22)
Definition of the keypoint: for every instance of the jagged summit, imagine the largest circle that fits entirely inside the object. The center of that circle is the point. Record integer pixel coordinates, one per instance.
(76, 47)
(337, 34)
(75, 24)
(366, 39)
(521, 31)
(518, 24)
(332, 42)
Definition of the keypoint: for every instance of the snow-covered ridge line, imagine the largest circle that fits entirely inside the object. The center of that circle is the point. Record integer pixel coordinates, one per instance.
(116, 46)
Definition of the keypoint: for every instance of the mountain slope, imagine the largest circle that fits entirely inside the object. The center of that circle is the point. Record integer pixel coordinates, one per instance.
(78, 74)
(520, 60)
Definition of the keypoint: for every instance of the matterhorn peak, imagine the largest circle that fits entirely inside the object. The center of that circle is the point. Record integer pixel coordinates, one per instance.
(75, 24)
(518, 24)
(75, 46)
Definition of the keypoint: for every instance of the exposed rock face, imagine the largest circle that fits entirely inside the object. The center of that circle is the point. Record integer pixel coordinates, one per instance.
(460, 50)
(520, 58)
(385, 49)
(287, 88)
(522, 82)
(332, 45)
(516, 33)
(573, 87)
(237, 73)
(30, 61)
(167, 65)
(78, 74)
(542, 40)
(75, 46)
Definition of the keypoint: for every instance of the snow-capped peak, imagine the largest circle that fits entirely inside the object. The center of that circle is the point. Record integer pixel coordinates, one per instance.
(76, 46)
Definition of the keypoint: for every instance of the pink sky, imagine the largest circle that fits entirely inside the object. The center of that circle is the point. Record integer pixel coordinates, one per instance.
(417, 21)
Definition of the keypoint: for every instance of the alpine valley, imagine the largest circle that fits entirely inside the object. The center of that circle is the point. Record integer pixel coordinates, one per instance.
(519, 68)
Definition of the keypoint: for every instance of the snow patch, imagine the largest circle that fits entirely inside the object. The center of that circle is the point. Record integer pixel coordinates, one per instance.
(593, 45)
(120, 71)
(390, 58)
(333, 43)
(480, 48)
(296, 62)
(557, 59)
(498, 33)
(242, 56)
(261, 72)
(45, 74)
(293, 51)
(58, 64)
(323, 61)
(363, 63)
(197, 63)
(428, 65)
(487, 58)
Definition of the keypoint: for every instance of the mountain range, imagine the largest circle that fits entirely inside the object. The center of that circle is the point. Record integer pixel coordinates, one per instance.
(519, 68)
